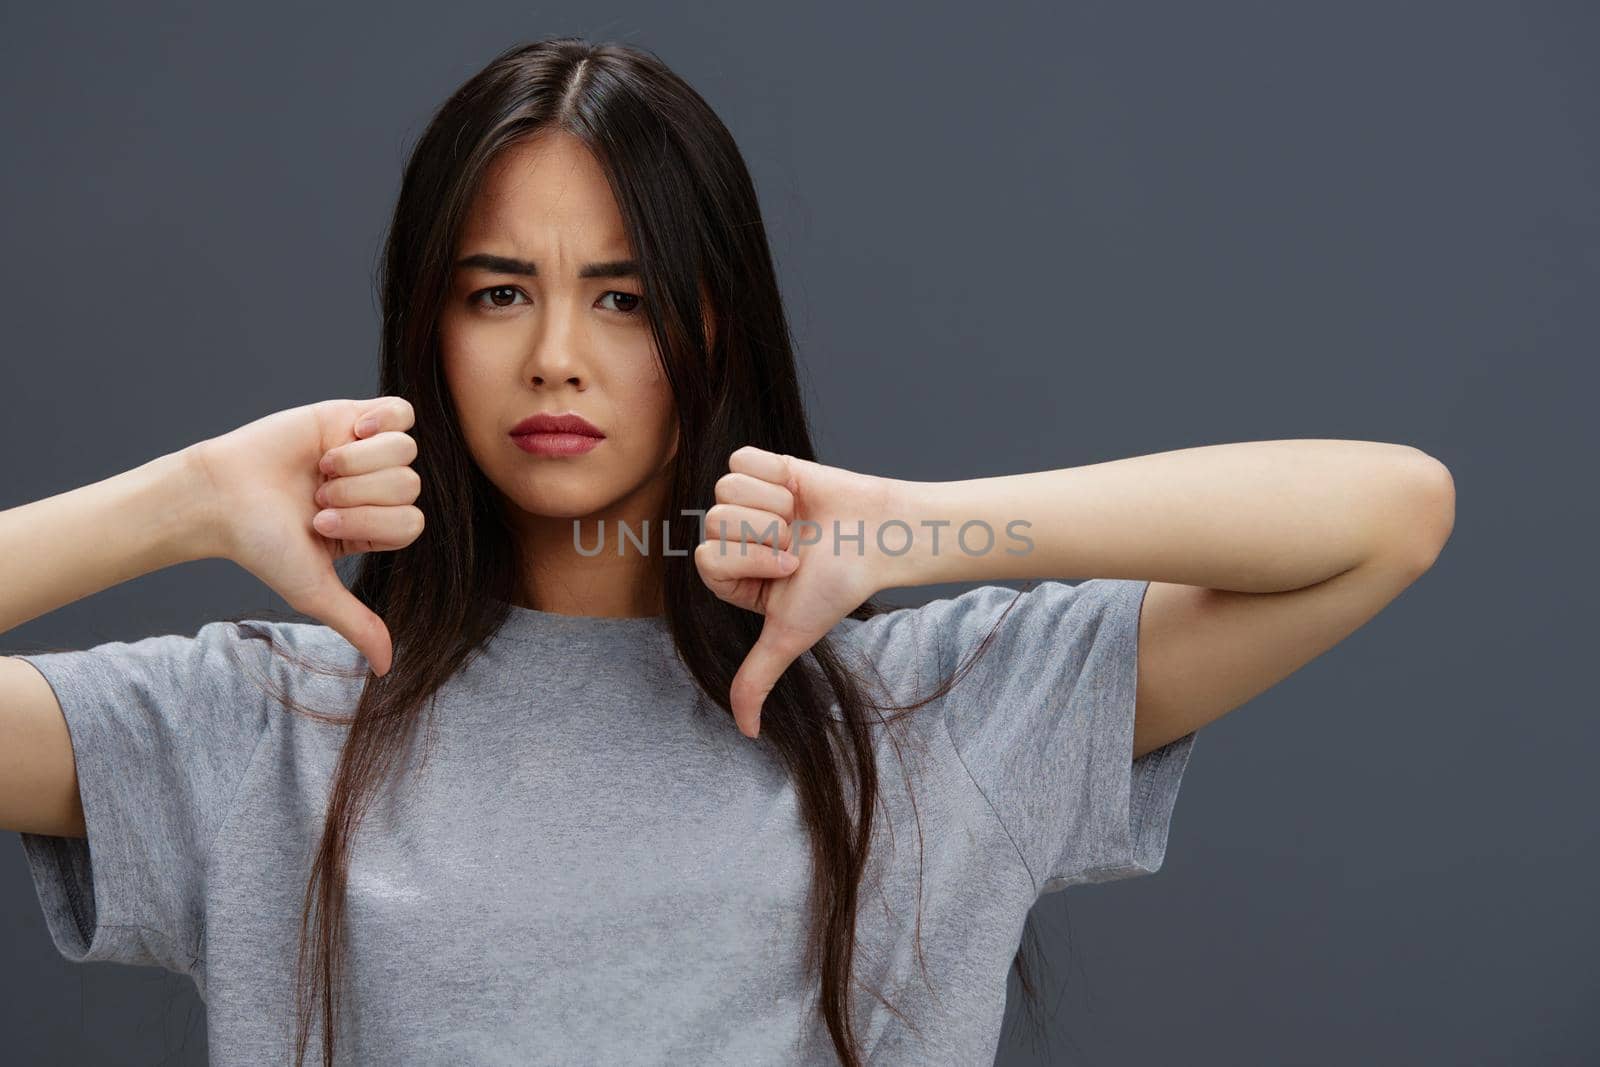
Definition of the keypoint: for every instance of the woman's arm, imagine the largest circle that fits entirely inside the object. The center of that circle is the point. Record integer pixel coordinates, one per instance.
(63, 548)
(1261, 555)
(56, 551)
(249, 496)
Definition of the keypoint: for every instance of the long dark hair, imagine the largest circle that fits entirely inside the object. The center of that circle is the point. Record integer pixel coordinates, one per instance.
(692, 215)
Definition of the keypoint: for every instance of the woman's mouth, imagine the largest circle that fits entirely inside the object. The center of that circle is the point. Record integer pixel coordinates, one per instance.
(567, 434)
(555, 444)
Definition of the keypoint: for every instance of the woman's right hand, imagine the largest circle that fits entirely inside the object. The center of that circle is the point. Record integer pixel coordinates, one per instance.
(276, 482)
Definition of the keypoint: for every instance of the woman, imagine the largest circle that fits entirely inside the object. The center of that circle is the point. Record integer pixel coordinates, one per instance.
(536, 839)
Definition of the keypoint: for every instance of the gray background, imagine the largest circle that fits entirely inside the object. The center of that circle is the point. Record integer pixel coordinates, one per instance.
(1013, 237)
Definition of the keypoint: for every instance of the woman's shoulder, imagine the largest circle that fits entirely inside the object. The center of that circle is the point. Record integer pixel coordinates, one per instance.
(306, 661)
(1005, 630)
(295, 635)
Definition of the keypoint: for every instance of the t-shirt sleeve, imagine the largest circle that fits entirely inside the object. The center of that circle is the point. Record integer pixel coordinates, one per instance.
(162, 730)
(1043, 721)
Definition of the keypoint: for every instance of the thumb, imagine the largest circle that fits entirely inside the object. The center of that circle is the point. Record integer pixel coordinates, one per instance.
(351, 619)
(768, 658)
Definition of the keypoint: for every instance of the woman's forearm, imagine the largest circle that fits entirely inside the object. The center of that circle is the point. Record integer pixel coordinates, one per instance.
(65, 547)
(1255, 516)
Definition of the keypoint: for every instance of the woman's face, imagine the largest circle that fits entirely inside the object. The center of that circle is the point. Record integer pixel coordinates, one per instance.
(549, 335)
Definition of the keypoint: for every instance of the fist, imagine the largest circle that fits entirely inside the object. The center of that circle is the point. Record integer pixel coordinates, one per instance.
(298, 489)
(751, 556)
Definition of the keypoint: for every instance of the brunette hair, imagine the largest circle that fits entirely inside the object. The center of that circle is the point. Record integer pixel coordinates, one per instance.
(693, 218)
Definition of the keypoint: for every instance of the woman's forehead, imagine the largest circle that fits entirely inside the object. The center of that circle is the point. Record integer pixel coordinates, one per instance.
(549, 212)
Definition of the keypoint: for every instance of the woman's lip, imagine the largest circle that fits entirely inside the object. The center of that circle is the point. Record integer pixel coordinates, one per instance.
(555, 444)
(548, 422)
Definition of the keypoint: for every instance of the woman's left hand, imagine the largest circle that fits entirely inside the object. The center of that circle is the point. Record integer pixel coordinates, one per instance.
(803, 589)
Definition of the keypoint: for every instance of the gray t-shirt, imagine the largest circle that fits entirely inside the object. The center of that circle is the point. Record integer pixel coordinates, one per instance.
(594, 864)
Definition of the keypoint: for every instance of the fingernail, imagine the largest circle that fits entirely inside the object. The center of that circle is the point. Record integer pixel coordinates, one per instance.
(321, 498)
(326, 520)
(366, 424)
(790, 561)
(325, 464)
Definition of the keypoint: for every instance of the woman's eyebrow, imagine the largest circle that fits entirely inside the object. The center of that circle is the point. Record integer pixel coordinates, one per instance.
(616, 268)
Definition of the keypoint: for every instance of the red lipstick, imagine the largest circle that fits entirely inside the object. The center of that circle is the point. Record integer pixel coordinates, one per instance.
(568, 434)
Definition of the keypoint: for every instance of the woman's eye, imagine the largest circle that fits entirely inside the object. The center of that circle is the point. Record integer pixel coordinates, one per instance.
(631, 302)
(498, 291)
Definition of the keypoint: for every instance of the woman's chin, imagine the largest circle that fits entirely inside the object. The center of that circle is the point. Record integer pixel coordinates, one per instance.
(582, 503)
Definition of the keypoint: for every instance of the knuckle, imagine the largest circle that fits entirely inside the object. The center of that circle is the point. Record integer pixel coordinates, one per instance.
(758, 527)
(713, 561)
